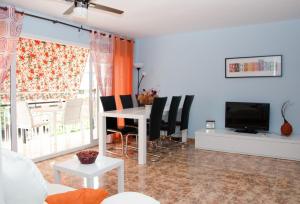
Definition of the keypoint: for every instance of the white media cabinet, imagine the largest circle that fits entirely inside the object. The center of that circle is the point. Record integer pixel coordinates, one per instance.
(260, 144)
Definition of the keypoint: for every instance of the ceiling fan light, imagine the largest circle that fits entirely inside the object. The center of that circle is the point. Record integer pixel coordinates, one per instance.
(80, 12)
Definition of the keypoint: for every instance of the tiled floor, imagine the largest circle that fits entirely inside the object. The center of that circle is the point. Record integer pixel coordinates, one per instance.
(190, 176)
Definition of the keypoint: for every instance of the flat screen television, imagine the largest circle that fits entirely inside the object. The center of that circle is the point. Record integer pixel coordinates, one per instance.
(247, 117)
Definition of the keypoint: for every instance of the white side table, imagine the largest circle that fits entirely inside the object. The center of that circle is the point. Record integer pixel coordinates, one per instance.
(102, 165)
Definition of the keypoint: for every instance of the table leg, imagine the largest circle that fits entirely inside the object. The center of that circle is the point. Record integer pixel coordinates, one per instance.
(142, 136)
(90, 182)
(184, 135)
(102, 135)
(57, 176)
(121, 178)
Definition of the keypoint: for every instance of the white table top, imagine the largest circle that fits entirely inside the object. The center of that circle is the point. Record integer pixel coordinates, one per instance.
(126, 113)
(101, 165)
(134, 113)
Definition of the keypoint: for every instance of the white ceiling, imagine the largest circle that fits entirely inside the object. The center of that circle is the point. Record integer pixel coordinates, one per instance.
(144, 18)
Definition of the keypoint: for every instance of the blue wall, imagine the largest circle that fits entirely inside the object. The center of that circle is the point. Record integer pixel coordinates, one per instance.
(193, 63)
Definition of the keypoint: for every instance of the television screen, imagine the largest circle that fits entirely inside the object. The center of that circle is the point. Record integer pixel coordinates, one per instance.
(247, 117)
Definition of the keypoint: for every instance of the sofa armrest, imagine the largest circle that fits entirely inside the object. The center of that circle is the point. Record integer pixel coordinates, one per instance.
(129, 198)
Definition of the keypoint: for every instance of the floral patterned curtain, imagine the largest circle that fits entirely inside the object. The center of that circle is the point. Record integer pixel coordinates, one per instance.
(101, 47)
(48, 71)
(10, 29)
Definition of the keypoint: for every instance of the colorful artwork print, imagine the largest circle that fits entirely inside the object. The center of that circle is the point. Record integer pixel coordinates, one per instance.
(253, 66)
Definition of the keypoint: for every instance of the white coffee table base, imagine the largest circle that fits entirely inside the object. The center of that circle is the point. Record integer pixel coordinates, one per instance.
(102, 165)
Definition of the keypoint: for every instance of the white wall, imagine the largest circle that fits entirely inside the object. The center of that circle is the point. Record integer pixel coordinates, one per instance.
(44, 30)
(193, 63)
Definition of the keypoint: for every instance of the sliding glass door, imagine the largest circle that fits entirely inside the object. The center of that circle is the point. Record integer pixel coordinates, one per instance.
(5, 130)
(54, 99)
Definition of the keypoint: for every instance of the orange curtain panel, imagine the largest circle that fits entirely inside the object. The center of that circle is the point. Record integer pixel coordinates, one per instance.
(122, 70)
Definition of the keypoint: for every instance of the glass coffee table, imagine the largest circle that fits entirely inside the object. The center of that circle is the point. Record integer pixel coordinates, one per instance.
(102, 165)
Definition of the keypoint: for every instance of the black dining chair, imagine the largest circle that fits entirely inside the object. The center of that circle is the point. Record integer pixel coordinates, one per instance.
(109, 104)
(185, 113)
(127, 102)
(170, 126)
(154, 125)
(156, 114)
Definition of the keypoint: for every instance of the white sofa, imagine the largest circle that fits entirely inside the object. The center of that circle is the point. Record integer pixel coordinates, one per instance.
(58, 188)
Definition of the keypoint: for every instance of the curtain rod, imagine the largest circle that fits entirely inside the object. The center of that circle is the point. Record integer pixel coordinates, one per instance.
(60, 22)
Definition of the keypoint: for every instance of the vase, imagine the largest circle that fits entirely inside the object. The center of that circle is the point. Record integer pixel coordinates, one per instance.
(148, 108)
(286, 128)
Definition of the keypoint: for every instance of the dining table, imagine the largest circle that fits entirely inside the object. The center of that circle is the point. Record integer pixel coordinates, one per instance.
(141, 114)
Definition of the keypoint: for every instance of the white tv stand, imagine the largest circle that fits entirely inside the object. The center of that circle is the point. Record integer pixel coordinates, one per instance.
(260, 144)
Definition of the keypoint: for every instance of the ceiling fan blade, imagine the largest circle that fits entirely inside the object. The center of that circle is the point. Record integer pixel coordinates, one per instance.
(106, 8)
(69, 11)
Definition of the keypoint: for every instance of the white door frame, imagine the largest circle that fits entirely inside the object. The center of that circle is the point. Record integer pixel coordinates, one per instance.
(13, 106)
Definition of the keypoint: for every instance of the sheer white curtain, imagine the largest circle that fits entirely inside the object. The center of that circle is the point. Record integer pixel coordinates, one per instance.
(101, 48)
(10, 29)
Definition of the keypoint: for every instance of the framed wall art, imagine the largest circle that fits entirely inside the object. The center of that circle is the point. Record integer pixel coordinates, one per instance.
(256, 66)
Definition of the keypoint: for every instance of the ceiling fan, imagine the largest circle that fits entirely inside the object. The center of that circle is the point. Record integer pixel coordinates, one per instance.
(80, 8)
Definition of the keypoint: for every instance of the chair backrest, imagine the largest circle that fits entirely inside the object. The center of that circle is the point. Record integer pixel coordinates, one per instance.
(173, 114)
(156, 114)
(127, 102)
(72, 111)
(24, 116)
(185, 114)
(109, 104)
